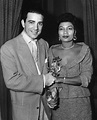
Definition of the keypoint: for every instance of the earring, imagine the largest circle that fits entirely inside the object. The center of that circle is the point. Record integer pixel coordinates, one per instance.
(74, 37)
(59, 39)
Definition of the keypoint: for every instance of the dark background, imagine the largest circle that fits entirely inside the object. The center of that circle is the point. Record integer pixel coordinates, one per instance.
(53, 8)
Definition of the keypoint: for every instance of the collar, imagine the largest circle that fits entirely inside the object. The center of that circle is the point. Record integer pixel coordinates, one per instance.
(27, 38)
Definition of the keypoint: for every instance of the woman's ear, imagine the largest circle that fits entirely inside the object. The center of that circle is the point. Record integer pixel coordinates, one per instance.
(23, 23)
(74, 35)
(74, 32)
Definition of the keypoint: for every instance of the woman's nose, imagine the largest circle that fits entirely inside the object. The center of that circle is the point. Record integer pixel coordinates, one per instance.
(65, 31)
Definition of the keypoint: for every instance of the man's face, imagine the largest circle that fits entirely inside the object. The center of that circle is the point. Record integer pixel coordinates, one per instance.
(33, 25)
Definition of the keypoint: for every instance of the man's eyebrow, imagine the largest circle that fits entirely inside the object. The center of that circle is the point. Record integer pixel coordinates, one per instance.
(40, 21)
(34, 21)
(31, 21)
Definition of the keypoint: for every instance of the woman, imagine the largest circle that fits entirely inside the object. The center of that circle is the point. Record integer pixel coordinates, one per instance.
(75, 73)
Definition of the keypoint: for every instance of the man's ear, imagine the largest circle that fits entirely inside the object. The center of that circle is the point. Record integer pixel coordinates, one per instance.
(23, 24)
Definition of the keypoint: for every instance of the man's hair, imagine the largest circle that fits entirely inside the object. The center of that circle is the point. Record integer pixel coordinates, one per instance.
(32, 10)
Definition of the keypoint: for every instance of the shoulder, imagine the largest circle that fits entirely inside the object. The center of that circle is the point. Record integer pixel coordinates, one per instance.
(55, 47)
(85, 52)
(84, 48)
(82, 45)
(10, 44)
(43, 42)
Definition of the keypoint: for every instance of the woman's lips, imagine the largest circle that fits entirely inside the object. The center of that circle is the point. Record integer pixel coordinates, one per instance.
(65, 37)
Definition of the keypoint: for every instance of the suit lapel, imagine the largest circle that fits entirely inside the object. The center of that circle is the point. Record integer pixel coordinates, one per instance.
(27, 56)
(41, 55)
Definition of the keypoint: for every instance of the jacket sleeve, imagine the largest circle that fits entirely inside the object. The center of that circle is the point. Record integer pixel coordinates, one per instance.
(45, 67)
(86, 69)
(15, 78)
(51, 56)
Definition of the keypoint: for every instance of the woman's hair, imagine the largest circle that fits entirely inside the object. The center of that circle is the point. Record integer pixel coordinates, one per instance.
(67, 17)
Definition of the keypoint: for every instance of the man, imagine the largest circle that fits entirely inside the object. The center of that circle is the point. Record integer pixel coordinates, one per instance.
(24, 68)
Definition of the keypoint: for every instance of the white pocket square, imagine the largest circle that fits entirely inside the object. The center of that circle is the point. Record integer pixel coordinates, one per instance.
(46, 60)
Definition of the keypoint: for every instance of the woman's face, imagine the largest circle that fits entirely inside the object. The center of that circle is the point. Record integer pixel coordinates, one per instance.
(66, 31)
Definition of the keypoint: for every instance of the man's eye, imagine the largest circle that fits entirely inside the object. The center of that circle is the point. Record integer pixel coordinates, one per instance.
(31, 22)
(41, 24)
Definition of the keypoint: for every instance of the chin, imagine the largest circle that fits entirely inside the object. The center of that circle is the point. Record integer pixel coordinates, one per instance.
(65, 40)
(33, 36)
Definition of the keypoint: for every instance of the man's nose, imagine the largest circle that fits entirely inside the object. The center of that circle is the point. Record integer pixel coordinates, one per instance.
(36, 26)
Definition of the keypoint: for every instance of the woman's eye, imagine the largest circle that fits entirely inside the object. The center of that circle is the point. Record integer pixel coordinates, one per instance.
(70, 28)
(60, 28)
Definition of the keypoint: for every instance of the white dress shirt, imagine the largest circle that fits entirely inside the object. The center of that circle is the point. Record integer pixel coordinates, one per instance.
(29, 42)
(33, 48)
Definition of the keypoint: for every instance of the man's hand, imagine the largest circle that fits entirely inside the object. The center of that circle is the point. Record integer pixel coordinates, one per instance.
(49, 79)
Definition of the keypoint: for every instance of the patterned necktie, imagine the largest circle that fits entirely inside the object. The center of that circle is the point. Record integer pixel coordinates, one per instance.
(34, 50)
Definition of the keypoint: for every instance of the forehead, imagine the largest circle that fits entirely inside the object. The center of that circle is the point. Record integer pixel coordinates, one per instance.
(34, 17)
(66, 24)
